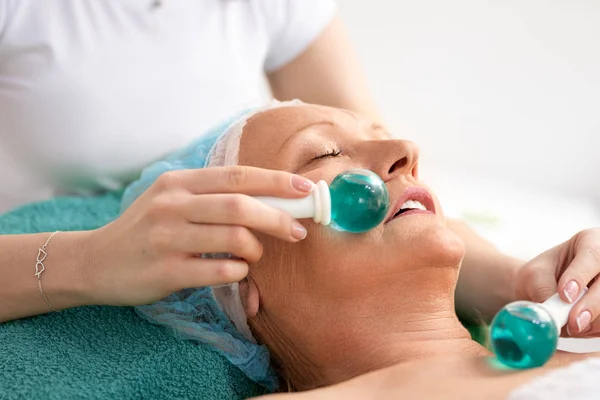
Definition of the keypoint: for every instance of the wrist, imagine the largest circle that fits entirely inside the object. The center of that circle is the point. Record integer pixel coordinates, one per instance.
(64, 281)
(487, 286)
(508, 280)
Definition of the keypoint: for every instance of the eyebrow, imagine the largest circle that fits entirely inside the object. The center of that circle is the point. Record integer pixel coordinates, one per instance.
(349, 113)
(377, 127)
(328, 123)
(304, 128)
(374, 127)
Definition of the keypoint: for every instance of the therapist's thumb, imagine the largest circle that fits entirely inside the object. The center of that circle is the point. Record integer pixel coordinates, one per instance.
(538, 280)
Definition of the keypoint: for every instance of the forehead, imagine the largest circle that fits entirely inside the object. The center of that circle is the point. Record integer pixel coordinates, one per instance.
(275, 126)
(266, 133)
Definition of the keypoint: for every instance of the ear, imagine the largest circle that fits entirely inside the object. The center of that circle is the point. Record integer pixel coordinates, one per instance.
(250, 297)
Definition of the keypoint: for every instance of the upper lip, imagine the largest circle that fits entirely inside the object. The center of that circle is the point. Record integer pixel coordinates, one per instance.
(413, 193)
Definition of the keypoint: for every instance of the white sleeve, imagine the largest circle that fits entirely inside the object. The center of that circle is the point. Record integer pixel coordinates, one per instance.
(292, 25)
(4, 11)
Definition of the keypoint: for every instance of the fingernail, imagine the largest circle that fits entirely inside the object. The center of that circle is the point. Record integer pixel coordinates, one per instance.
(571, 291)
(302, 184)
(298, 231)
(583, 321)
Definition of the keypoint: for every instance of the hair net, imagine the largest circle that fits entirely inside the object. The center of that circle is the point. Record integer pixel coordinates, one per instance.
(193, 313)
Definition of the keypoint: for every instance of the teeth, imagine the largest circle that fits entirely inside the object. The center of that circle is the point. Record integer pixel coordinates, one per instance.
(413, 204)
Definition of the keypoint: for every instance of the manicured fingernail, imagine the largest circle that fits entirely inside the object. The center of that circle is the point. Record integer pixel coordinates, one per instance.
(302, 184)
(298, 231)
(583, 320)
(571, 291)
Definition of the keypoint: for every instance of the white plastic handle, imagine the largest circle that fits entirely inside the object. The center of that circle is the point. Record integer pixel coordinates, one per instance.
(317, 205)
(559, 310)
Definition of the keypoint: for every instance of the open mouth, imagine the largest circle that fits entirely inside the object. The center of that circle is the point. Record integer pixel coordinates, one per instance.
(414, 200)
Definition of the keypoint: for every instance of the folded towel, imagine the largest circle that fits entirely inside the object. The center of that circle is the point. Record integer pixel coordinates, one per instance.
(577, 381)
(102, 352)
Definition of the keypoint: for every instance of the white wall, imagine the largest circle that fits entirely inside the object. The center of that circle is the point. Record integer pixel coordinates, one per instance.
(508, 88)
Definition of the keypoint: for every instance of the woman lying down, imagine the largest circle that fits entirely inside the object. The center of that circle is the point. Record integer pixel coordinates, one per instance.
(347, 315)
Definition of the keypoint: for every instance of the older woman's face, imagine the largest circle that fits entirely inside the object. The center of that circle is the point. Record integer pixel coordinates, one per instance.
(319, 143)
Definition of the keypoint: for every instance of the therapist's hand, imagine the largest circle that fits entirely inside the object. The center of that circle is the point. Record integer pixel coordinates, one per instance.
(567, 269)
(153, 249)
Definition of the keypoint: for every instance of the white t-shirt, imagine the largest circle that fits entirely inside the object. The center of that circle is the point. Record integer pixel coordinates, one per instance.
(92, 91)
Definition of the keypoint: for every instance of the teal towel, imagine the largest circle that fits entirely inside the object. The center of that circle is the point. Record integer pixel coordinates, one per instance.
(102, 352)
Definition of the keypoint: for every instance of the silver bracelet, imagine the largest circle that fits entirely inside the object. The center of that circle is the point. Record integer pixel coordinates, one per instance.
(40, 268)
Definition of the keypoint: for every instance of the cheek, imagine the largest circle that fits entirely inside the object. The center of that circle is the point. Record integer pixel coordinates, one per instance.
(327, 170)
(289, 270)
(334, 264)
(279, 273)
(330, 263)
(352, 264)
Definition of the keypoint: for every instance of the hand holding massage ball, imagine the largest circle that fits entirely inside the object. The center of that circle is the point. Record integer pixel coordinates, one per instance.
(356, 201)
(525, 334)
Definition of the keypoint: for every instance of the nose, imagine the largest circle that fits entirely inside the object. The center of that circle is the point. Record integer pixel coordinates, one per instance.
(390, 158)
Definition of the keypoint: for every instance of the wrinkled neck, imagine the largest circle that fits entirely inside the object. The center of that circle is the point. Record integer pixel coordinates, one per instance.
(364, 334)
(382, 341)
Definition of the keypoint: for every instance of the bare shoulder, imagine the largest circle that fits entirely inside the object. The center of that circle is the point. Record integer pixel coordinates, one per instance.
(448, 377)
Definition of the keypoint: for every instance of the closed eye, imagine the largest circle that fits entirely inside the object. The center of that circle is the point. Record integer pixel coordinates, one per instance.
(330, 153)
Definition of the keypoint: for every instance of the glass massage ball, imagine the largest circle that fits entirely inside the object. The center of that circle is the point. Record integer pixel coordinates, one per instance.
(523, 335)
(359, 201)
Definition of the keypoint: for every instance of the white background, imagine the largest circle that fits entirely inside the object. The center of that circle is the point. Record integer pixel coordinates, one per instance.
(511, 86)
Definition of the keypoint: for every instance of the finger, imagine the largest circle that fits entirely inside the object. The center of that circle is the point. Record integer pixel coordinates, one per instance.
(540, 281)
(584, 313)
(236, 209)
(592, 332)
(200, 239)
(199, 272)
(584, 267)
(239, 179)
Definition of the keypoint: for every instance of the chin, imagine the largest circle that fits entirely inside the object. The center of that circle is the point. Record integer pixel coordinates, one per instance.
(434, 245)
(450, 246)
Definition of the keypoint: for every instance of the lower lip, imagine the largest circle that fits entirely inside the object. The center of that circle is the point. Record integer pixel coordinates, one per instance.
(413, 212)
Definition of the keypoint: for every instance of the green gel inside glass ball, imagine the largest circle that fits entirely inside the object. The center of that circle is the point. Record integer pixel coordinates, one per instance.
(359, 201)
(523, 335)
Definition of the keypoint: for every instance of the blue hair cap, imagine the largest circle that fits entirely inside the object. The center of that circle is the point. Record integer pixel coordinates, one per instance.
(194, 313)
